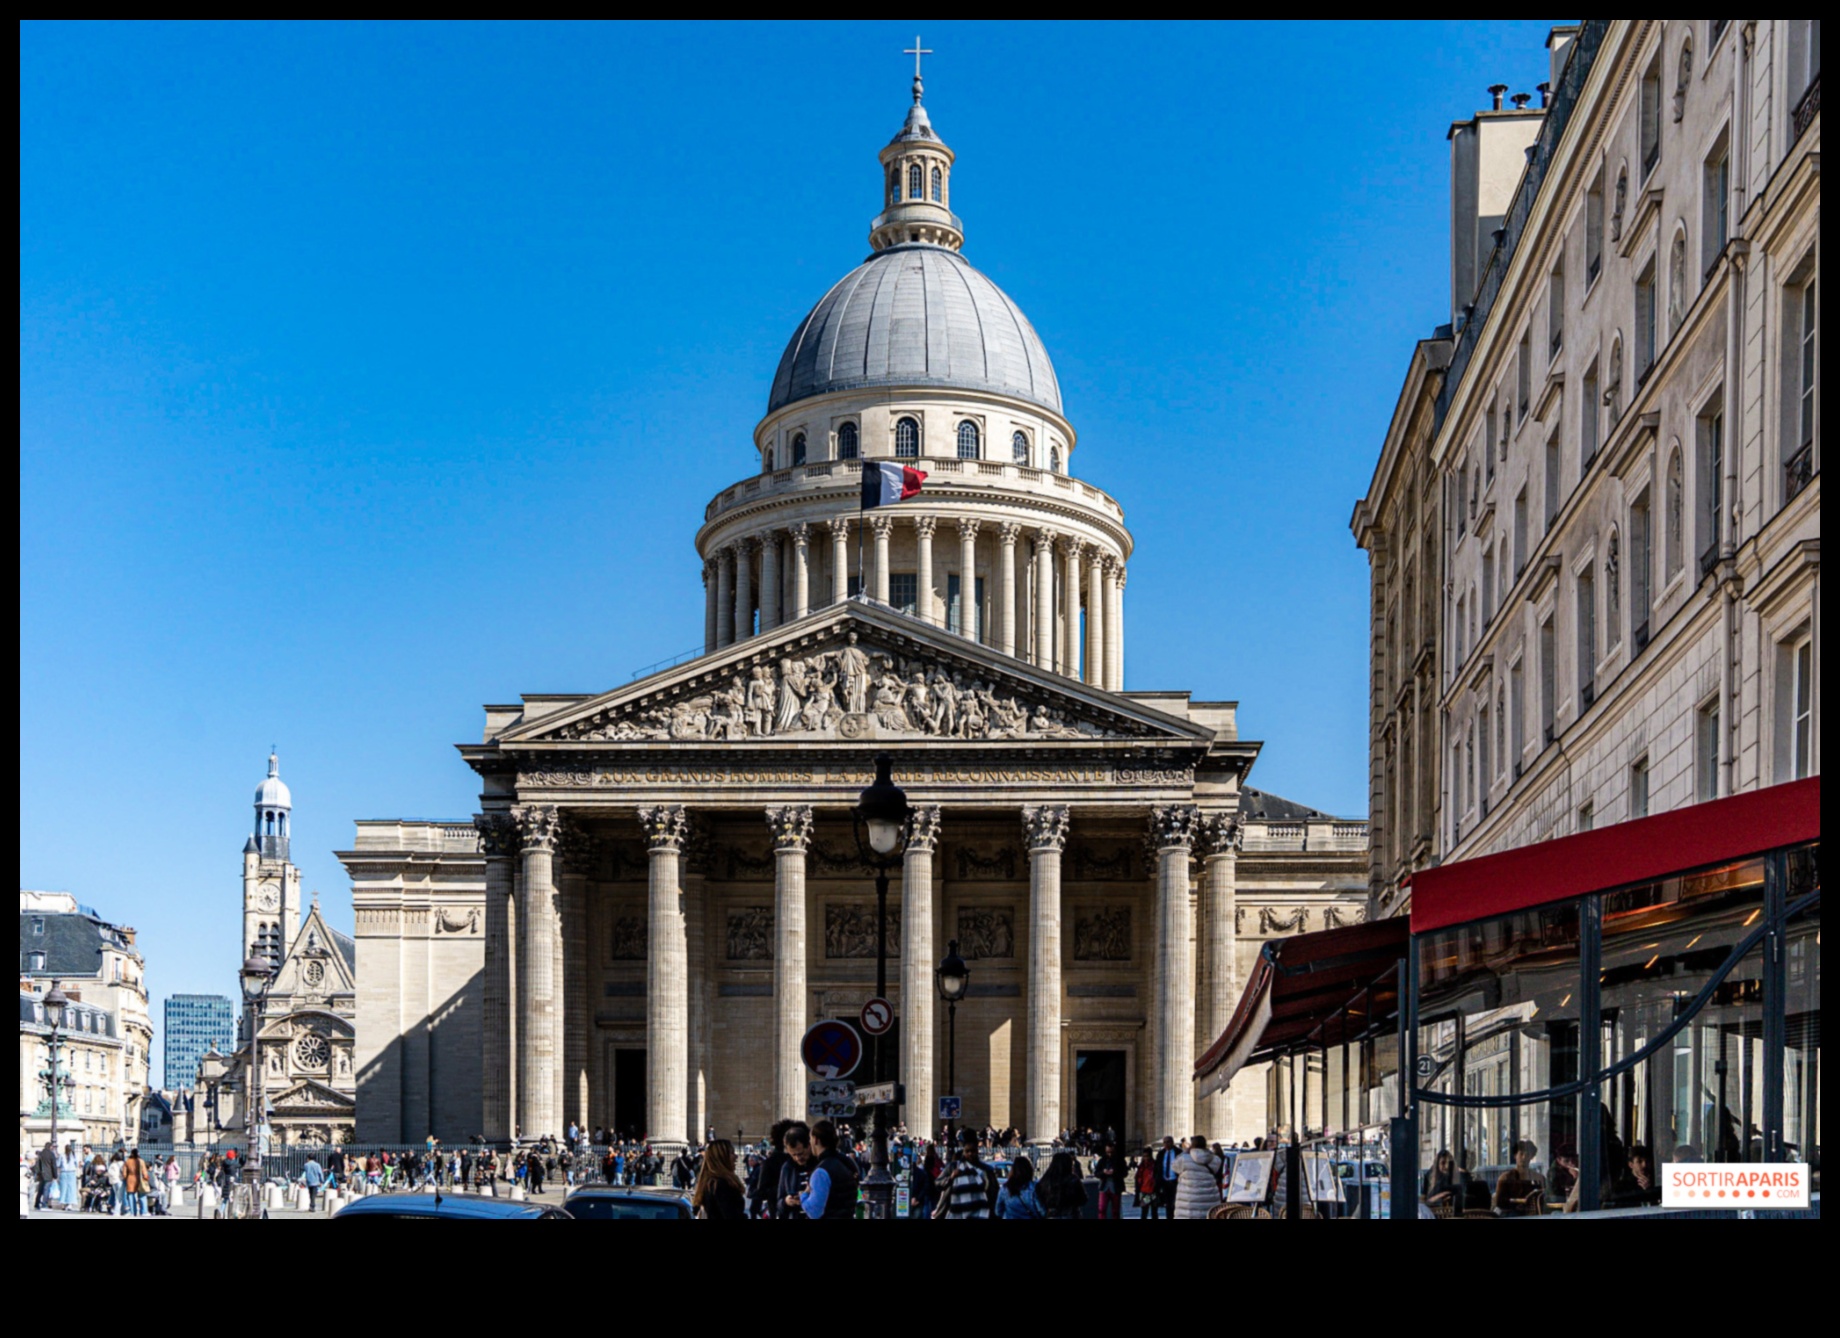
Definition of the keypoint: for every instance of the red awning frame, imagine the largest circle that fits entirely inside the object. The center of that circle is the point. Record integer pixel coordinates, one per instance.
(1643, 850)
(1297, 986)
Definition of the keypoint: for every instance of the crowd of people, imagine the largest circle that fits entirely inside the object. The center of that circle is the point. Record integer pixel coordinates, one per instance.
(120, 1184)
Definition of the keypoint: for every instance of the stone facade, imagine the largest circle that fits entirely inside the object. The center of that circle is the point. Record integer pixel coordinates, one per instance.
(666, 878)
(1595, 525)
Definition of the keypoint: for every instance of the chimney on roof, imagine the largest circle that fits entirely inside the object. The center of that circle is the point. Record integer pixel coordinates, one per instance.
(1520, 101)
(1495, 92)
(1545, 88)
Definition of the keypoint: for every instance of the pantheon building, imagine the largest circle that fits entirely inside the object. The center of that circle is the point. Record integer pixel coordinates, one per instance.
(662, 890)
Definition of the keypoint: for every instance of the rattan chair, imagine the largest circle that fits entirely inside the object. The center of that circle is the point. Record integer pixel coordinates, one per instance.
(1236, 1210)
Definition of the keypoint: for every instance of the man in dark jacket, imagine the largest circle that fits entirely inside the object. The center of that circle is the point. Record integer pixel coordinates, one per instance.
(1110, 1170)
(45, 1168)
(832, 1189)
(795, 1175)
(764, 1189)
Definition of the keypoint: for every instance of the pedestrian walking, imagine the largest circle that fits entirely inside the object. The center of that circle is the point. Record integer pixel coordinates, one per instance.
(1145, 1187)
(45, 1171)
(533, 1171)
(968, 1190)
(1061, 1190)
(136, 1175)
(718, 1195)
(113, 1171)
(1166, 1159)
(313, 1176)
(1197, 1180)
(1109, 1170)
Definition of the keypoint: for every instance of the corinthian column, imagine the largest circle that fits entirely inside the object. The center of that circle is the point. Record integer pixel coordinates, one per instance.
(1219, 985)
(840, 558)
(575, 847)
(924, 526)
(667, 979)
(709, 605)
(769, 581)
(725, 596)
(883, 527)
(917, 955)
(1044, 599)
(1044, 830)
(1115, 629)
(1007, 534)
(744, 589)
(791, 828)
(536, 1053)
(1070, 590)
(1096, 566)
(1172, 829)
(801, 569)
(498, 843)
(967, 579)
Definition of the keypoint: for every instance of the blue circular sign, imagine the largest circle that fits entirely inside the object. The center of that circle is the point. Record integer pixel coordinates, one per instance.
(831, 1049)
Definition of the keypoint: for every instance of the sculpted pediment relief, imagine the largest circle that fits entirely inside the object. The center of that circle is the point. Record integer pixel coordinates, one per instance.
(312, 1096)
(855, 681)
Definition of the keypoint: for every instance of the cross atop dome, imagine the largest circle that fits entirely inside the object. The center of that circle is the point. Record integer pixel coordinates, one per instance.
(917, 51)
(916, 181)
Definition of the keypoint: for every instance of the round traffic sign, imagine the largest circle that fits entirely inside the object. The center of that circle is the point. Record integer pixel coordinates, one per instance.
(831, 1049)
(877, 1016)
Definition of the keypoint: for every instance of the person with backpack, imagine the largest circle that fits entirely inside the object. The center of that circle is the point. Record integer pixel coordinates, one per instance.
(970, 1189)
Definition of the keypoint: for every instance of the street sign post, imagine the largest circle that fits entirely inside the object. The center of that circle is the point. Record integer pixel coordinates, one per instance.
(880, 1094)
(877, 1016)
(831, 1049)
(830, 1099)
(949, 1108)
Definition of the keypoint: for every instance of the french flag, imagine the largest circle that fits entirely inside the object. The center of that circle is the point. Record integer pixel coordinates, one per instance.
(884, 482)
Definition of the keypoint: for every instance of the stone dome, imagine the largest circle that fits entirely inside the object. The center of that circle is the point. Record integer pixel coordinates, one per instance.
(915, 316)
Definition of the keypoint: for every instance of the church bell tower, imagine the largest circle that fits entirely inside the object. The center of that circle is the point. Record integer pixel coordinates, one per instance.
(271, 883)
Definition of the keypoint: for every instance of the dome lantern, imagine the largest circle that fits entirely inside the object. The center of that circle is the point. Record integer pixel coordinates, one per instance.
(916, 184)
(274, 806)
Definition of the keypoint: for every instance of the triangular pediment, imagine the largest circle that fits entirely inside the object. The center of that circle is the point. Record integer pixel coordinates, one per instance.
(313, 1096)
(855, 672)
(315, 966)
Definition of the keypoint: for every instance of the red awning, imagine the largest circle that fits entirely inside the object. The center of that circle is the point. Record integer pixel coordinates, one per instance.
(1336, 981)
(1640, 851)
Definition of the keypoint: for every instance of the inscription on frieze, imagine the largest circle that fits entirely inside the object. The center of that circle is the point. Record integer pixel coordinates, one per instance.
(605, 778)
(849, 930)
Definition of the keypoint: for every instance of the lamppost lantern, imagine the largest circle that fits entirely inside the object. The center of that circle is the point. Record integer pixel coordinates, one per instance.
(881, 818)
(952, 975)
(57, 1003)
(255, 974)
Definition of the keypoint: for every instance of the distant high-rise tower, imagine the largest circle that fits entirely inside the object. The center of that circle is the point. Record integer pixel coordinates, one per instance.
(193, 1024)
(271, 884)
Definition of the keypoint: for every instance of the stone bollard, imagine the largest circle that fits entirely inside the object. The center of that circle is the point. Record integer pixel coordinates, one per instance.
(517, 1193)
(300, 1198)
(207, 1199)
(334, 1200)
(178, 1199)
(271, 1196)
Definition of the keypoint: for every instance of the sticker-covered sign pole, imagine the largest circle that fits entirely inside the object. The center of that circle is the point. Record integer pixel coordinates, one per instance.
(881, 835)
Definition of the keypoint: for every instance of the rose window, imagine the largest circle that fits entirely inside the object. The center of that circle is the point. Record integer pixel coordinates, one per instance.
(311, 1052)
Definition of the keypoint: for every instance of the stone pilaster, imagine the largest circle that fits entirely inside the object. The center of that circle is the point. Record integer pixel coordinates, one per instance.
(498, 843)
(1172, 833)
(1007, 534)
(967, 578)
(882, 527)
(667, 978)
(769, 581)
(725, 596)
(1218, 838)
(918, 952)
(924, 527)
(744, 588)
(1045, 657)
(801, 569)
(1044, 831)
(1070, 615)
(840, 558)
(791, 828)
(1096, 597)
(537, 1021)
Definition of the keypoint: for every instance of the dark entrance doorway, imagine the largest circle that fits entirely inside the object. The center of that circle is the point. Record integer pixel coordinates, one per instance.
(1098, 1090)
(629, 1093)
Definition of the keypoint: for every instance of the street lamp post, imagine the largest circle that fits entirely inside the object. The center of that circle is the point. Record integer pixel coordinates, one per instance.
(56, 1003)
(952, 977)
(256, 974)
(881, 835)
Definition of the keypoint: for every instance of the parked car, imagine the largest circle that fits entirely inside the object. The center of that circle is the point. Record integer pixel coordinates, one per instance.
(454, 1207)
(612, 1203)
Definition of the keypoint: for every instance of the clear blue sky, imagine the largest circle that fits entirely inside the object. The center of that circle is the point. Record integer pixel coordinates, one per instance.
(371, 373)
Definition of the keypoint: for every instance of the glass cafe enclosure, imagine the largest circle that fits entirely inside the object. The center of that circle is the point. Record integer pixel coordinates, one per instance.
(1602, 1003)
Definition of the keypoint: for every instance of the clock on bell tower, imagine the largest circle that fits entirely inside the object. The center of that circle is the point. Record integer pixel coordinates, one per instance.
(271, 883)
